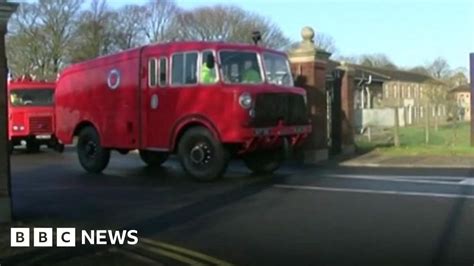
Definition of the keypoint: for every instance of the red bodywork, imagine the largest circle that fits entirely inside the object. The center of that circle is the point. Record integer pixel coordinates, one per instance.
(125, 119)
(30, 122)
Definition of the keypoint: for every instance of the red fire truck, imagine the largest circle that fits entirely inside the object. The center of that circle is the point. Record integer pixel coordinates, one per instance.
(31, 114)
(204, 101)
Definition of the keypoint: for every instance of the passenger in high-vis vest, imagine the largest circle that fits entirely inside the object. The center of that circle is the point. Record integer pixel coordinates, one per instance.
(208, 70)
(208, 75)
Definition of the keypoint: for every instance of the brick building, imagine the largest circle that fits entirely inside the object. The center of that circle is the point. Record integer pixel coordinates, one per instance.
(377, 90)
(462, 97)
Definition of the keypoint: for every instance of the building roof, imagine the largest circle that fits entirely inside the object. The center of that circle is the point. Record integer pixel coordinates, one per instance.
(462, 88)
(383, 74)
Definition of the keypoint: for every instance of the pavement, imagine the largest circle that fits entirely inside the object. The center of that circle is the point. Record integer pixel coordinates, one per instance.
(376, 159)
(324, 215)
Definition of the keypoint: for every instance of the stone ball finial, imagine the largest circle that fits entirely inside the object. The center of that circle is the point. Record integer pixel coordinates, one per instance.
(307, 33)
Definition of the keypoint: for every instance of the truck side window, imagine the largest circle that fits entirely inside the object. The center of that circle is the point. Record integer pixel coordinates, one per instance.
(163, 71)
(208, 73)
(152, 72)
(184, 68)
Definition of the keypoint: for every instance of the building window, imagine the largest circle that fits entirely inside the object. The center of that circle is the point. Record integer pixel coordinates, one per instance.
(184, 68)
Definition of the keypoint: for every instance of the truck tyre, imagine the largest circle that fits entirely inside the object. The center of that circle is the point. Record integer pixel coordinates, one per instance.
(32, 146)
(153, 158)
(265, 162)
(92, 156)
(201, 155)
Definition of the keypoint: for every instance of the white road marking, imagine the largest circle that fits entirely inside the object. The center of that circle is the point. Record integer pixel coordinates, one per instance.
(370, 191)
(469, 181)
(441, 180)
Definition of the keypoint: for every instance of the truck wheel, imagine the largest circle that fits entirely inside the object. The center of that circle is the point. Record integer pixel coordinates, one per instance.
(32, 146)
(92, 156)
(265, 162)
(202, 156)
(153, 158)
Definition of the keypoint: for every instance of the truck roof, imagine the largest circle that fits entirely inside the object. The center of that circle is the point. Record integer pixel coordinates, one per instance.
(171, 47)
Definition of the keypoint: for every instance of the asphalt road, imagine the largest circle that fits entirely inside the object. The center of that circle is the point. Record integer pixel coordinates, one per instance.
(324, 215)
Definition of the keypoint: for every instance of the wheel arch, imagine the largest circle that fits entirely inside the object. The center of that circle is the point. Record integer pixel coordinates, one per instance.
(82, 125)
(190, 122)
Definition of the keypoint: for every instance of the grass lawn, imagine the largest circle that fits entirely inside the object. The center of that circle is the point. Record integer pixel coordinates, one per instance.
(449, 140)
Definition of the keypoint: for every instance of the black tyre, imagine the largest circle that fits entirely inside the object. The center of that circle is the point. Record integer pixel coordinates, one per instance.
(153, 158)
(264, 162)
(32, 146)
(92, 156)
(202, 156)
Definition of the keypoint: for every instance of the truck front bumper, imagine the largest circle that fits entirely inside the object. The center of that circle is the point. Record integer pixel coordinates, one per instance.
(276, 137)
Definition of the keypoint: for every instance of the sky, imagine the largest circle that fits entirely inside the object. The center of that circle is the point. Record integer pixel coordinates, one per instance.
(410, 32)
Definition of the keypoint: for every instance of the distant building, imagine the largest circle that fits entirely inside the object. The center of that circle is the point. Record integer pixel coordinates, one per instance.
(462, 96)
(383, 89)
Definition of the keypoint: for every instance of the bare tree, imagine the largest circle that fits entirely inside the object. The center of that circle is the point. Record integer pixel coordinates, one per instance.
(128, 27)
(59, 18)
(420, 70)
(326, 42)
(41, 36)
(95, 32)
(376, 60)
(457, 78)
(25, 49)
(435, 96)
(226, 23)
(439, 68)
(157, 19)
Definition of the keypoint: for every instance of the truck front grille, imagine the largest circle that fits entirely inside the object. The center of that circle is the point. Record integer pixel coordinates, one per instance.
(41, 125)
(270, 108)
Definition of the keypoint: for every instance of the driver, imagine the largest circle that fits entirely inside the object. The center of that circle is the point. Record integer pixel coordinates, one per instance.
(251, 73)
(15, 99)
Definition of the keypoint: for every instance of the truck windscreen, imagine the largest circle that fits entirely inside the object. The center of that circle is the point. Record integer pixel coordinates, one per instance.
(32, 97)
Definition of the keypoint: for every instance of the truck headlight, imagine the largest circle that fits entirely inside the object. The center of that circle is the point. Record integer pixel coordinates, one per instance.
(18, 128)
(245, 100)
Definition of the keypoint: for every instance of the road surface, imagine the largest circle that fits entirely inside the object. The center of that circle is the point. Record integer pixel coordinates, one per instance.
(325, 215)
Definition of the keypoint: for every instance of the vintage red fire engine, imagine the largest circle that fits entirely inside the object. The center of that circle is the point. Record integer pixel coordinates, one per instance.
(31, 114)
(207, 102)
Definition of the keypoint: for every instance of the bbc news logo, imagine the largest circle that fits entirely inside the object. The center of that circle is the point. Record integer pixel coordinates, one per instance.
(66, 237)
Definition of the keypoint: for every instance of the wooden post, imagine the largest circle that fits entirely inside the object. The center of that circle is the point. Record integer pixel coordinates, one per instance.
(6, 10)
(427, 123)
(396, 131)
(472, 99)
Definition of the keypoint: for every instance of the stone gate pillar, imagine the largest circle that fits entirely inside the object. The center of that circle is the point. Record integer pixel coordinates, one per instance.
(6, 10)
(308, 64)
